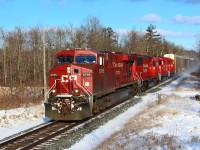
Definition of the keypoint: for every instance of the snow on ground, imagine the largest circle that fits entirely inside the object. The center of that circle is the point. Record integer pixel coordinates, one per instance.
(16, 120)
(167, 119)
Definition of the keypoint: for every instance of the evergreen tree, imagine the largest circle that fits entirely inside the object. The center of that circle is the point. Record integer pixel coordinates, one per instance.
(153, 40)
(109, 40)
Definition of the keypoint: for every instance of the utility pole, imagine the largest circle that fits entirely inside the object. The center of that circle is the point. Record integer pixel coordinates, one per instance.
(44, 65)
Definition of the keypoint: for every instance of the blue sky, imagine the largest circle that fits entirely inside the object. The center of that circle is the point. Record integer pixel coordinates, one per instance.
(177, 20)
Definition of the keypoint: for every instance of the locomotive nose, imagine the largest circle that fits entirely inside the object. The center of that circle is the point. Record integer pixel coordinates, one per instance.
(61, 80)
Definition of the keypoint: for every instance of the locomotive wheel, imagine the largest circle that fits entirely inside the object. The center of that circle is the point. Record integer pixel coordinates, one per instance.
(95, 107)
(107, 102)
(133, 91)
(156, 81)
(144, 87)
(102, 105)
(95, 111)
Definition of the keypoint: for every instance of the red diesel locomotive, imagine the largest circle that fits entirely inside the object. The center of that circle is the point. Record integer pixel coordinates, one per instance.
(85, 81)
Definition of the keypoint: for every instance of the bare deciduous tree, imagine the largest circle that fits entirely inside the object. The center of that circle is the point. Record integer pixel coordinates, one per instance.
(21, 50)
(198, 46)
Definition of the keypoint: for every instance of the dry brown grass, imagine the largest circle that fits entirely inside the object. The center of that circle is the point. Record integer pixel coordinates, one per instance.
(195, 139)
(146, 119)
(149, 117)
(131, 137)
(14, 98)
(149, 141)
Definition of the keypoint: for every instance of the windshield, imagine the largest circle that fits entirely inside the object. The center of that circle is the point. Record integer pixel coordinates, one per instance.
(86, 59)
(65, 59)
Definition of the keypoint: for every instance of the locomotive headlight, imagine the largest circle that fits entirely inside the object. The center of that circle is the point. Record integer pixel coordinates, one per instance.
(53, 91)
(76, 90)
(68, 69)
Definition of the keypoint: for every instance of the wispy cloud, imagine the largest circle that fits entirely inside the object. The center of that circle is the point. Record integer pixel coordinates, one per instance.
(175, 33)
(164, 33)
(186, 19)
(152, 17)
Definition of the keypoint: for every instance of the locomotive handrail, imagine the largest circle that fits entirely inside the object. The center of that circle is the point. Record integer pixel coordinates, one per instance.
(88, 93)
(139, 79)
(87, 89)
(90, 98)
(47, 94)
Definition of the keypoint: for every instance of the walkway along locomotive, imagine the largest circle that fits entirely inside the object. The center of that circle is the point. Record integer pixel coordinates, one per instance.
(85, 81)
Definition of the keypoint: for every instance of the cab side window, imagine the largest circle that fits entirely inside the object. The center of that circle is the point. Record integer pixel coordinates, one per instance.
(139, 61)
(101, 60)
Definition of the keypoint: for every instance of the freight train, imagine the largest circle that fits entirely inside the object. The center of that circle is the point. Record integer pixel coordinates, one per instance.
(85, 81)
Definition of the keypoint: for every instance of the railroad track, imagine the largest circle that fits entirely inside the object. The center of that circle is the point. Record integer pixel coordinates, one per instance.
(31, 138)
(44, 136)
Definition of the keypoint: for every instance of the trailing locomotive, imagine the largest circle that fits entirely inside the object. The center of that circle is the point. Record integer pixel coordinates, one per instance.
(85, 81)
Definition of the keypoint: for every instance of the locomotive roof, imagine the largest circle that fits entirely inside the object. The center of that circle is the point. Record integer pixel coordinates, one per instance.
(84, 51)
(75, 51)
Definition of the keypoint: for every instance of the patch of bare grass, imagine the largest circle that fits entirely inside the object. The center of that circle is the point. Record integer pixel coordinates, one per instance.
(14, 97)
(146, 119)
(148, 141)
(149, 117)
(195, 139)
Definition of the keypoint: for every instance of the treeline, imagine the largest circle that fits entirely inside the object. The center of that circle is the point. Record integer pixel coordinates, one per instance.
(21, 54)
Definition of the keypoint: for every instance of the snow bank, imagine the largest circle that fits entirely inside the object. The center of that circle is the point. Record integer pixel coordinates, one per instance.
(16, 120)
